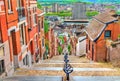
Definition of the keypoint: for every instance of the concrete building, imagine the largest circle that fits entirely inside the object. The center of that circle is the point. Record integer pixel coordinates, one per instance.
(78, 11)
(55, 7)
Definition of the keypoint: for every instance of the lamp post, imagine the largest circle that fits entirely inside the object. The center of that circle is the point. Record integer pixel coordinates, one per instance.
(67, 67)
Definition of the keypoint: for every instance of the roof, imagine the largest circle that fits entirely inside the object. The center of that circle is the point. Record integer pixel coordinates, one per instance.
(94, 28)
(98, 24)
(105, 17)
(80, 39)
(40, 12)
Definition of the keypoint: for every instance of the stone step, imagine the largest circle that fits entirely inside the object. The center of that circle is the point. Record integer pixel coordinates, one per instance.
(34, 78)
(95, 78)
(75, 69)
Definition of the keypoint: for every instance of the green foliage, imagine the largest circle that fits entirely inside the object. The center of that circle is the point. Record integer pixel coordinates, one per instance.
(118, 12)
(111, 7)
(69, 47)
(47, 47)
(61, 14)
(46, 26)
(62, 38)
(39, 5)
(91, 13)
(60, 49)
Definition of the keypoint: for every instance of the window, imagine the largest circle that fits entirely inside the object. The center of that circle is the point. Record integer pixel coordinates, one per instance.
(34, 19)
(39, 26)
(1, 51)
(29, 18)
(107, 33)
(22, 34)
(42, 42)
(19, 3)
(0, 37)
(9, 6)
(35, 40)
(42, 23)
(89, 44)
(1, 6)
(2, 67)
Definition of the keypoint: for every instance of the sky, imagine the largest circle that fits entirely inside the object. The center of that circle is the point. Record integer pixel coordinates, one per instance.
(95, 1)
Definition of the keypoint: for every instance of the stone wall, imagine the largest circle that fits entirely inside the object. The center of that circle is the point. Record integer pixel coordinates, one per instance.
(115, 53)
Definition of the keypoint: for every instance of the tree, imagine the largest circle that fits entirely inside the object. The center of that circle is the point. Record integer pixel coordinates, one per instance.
(46, 26)
(69, 48)
(118, 12)
(91, 13)
(39, 5)
(60, 49)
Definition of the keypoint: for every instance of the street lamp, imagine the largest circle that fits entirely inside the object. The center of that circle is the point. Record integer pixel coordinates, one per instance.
(67, 67)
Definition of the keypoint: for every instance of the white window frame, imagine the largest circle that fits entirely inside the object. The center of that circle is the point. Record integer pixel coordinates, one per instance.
(34, 19)
(1, 4)
(1, 51)
(9, 6)
(19, 3)
(22, 34)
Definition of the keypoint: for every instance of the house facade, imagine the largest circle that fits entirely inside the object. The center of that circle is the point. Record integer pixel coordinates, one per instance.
(21, 35)
(41, 34)
(6, 62)
(51, 42)
(102, 27)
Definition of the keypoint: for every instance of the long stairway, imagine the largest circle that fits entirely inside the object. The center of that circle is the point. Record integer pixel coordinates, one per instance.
(52, 70)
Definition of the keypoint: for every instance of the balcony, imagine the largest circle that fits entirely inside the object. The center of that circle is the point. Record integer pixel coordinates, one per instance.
(21, 14)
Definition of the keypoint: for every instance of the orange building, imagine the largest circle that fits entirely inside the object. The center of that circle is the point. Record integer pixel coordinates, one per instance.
(6, 63)
(41, 34)
(73, 42)
(51, 42)
(19, 35)
(101, 28)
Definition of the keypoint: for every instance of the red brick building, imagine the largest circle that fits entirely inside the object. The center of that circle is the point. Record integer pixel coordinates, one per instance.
(6, 63)
(41, 34)
(102, 27)
(20, 32)
(51, 42)
(32, 21)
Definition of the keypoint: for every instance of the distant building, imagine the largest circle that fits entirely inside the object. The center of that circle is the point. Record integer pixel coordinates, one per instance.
(55, 7)
(46, 9)
(78, 11)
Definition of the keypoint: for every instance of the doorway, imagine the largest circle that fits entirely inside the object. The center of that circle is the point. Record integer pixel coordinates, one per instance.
(92, 52)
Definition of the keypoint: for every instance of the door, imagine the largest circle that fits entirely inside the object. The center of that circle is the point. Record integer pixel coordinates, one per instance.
(92, 52)
(13, 48)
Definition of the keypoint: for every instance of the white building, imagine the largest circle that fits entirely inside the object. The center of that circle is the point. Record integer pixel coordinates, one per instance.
(81, 46)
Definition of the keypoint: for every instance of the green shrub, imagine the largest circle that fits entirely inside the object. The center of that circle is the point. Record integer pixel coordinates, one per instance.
(60, 49)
